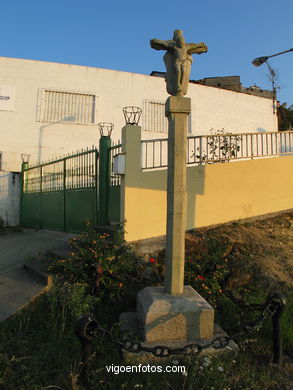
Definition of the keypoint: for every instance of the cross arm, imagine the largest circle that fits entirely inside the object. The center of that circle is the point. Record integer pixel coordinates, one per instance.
(196, 48)
(158, 44)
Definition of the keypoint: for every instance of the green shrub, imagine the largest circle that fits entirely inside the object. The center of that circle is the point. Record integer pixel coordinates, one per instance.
(109, 257)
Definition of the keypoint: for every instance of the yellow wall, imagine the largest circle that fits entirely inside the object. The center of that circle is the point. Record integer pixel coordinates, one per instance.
(216, 193)
(243, 189)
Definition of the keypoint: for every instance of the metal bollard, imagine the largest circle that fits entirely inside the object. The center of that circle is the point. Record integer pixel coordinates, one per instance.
(278, 301)
(85, 329)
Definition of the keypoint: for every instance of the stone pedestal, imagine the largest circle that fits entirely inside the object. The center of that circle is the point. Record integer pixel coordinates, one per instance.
(164, 317)
(130, 327)
(174, 322)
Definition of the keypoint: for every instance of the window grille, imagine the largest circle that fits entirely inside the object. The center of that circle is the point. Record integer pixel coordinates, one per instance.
(61, 106)
(154, 118)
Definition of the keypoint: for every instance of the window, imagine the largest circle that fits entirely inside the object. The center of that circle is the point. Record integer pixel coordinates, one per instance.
(62, 106)
(154, 117)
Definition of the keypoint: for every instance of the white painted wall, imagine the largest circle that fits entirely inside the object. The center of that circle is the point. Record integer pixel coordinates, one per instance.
(9, 198)
(213, 108)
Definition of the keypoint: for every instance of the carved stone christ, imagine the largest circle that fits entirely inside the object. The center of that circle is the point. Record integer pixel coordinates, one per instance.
(178, 61)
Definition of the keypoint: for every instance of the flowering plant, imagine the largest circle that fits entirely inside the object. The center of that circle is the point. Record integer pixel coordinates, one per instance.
(105, 263)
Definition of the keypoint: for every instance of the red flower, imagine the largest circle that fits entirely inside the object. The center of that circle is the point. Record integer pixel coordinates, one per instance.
(200, 277)
(152, 260)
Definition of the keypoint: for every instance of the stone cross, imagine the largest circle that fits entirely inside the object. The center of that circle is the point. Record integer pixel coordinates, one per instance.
(178, 61)
(175, 313)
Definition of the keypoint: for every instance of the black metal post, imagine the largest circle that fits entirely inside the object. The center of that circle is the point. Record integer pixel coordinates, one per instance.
(279, 302)
(86, 352)
(85, 331)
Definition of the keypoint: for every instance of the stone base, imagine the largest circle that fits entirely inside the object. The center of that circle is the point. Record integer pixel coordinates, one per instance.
(131, 329)
(165, 317)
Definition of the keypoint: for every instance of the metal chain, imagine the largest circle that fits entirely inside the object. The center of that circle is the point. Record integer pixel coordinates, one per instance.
(219, 342)
(269, 309)
(239, 302)
(242, 304)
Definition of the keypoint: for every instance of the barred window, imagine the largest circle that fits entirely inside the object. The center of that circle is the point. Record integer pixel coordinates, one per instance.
(154, 117)
(62, 106)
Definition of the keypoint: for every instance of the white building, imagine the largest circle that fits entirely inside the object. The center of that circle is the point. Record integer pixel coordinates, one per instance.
(50, 109)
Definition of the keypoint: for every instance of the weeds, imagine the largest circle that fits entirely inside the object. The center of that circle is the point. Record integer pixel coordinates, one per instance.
(39, 350)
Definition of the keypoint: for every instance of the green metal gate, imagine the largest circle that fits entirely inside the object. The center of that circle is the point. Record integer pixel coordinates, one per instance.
(61, 194)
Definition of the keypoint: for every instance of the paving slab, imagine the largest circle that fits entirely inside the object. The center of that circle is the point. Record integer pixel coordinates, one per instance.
(17, 287)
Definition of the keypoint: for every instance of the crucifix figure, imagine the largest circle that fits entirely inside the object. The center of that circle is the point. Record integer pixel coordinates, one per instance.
(178, 61)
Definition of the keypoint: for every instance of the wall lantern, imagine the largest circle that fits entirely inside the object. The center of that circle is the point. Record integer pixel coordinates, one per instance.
(106, 129)
(132, 115)
(25, 157)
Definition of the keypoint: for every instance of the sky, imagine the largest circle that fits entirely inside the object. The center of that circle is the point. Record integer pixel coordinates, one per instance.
(115, 34)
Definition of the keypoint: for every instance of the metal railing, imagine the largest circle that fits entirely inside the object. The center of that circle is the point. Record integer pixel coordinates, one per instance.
(77, 170)
(220, 148)
(154, 153)
(113, 150)
(226, 147)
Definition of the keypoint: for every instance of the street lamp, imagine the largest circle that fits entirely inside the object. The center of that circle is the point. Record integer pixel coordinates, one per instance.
(261, 60)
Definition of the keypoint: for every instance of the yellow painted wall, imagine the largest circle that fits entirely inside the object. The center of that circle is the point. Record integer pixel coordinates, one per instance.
(215, 194)
(243, 189)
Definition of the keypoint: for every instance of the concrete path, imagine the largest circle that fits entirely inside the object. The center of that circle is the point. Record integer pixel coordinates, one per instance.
(17, 288)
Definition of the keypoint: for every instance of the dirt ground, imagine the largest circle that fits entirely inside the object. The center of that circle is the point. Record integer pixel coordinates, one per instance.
(260, 250)
(265, 246)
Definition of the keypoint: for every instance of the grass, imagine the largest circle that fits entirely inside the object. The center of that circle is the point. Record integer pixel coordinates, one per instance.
(39, 350)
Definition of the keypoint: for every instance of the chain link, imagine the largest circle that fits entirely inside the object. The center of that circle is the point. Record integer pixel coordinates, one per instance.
(242, 304)
(220, 342)
(239, 302)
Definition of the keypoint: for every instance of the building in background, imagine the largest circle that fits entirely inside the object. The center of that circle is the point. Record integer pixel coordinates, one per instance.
(49, 109)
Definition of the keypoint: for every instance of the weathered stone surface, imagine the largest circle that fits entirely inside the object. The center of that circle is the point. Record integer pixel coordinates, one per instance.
(167, 317)
(177, 109)
(178, 104)
(178, 60)
(130, 327)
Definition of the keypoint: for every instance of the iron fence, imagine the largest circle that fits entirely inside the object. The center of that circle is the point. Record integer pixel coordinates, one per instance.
(78, 170)
(219, 148)
(154, 153)
(226, 147)
(113, 151)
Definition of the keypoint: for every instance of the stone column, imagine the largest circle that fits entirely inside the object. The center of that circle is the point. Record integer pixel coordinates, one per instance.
(177, 110)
